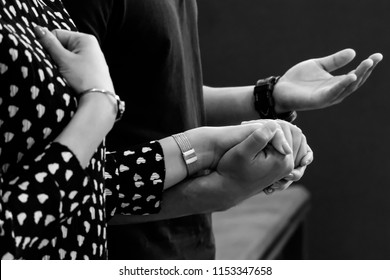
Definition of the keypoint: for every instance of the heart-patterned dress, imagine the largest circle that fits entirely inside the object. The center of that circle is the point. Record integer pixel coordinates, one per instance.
(50, 207)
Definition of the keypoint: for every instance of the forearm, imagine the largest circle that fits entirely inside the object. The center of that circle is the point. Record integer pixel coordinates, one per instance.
(203, 142)
(246, 172)
(193, 196)
(136, 178)
(197, 195)
(230, 105)
(209, 143)
(88, 127)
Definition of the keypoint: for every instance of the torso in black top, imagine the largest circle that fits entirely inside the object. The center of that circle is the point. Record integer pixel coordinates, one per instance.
(152, 50)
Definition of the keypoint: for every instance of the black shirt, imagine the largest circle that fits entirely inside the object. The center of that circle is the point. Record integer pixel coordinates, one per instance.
(152, 49)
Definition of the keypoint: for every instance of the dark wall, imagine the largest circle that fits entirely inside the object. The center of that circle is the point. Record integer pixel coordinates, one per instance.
(243, 40)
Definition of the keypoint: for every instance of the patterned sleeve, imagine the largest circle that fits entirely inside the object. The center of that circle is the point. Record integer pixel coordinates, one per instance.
(37, 198)
(135, 180)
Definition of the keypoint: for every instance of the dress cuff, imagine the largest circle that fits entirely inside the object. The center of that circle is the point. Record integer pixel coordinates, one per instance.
(136, 183)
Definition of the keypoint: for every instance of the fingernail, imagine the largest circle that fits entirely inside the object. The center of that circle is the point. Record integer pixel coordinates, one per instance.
(39, 31)
(289, 177)
(307, 159)
(306, 162)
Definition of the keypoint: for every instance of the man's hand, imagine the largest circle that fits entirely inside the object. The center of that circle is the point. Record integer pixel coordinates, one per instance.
(309, 84)
(254, 164)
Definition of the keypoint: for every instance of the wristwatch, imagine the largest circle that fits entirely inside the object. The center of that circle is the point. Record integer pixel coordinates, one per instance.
(264, 101)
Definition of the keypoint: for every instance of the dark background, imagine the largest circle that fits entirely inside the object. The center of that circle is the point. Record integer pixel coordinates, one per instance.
(243, 40)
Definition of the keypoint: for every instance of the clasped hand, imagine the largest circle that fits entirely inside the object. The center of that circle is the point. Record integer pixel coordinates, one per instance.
(250, 157)
(275, 153)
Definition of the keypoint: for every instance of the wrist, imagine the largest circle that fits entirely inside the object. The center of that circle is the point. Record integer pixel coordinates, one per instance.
(279, 107)
(204, 146)
(266, 104)
(214, 194)
(98, 108)
(87, 128)
(117, 105)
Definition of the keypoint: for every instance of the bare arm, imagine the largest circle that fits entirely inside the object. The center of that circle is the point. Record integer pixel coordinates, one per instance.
(230, 105)
(308, 85)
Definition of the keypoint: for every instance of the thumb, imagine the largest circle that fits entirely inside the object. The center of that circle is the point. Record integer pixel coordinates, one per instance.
(51, 43)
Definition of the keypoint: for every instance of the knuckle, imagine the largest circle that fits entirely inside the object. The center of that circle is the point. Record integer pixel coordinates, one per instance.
(262, 134)
(282, 122)
(288, 165)
(303, 142)
(271, 123)
(296, 129)
(267, 130)
(240, 156)
(298, 176)
(284, 165)
(90, 38)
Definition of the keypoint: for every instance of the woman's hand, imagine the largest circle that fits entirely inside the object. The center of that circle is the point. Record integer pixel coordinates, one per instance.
(82, 64)
(78, 57)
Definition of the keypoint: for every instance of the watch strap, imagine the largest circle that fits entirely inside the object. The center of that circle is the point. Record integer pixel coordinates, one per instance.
(265, 103)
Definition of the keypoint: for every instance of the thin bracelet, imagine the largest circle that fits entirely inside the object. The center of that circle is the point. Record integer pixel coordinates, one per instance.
(188, 153)
(119, 103)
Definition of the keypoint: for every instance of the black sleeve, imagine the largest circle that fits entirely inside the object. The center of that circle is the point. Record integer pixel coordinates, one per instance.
(135, 180)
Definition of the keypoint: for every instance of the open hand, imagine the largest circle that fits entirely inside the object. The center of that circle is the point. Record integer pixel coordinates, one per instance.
(309, 84)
